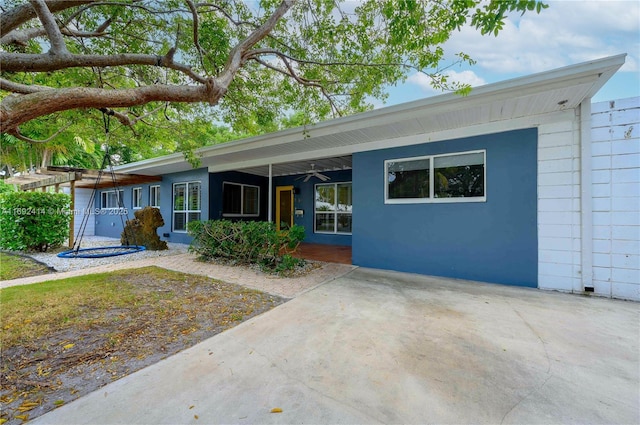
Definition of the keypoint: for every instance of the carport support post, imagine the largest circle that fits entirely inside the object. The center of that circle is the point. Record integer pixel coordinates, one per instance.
(72, 208)
(270, 198)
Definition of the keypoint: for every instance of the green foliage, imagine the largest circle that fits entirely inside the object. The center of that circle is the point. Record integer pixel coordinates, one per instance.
(323, 58)
(33, 220)
(247, 242)
(287, 264)
(490, 19)
(5, 188)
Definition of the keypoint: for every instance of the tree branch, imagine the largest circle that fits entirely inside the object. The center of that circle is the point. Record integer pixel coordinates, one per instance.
(301, 80)
(268, 51)
(237, 55)
(16, 109)
(25, 62)
(196, 24)
(20, 136)
(58, 46)
(14, 87)
(17, 16)
(125, 119)
(22, 37)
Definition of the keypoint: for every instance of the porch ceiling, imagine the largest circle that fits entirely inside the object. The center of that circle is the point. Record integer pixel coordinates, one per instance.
(302, 167)
(332, 142)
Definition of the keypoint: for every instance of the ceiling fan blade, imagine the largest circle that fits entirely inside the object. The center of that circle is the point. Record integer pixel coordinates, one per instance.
(306, 179)
(322, 177)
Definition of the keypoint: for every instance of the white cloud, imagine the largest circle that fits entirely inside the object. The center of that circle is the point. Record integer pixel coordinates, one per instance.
(567, 32)
(464, 77)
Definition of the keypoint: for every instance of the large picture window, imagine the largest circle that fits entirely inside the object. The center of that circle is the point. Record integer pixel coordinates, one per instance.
(240, 200)
(154, 196)
(457, 177)
(186, 205)
(333, 208)
(112, 199)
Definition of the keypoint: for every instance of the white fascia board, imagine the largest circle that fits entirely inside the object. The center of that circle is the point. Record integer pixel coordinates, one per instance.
(567, 115)
(162, 161)
(596, 72)
(588, 72)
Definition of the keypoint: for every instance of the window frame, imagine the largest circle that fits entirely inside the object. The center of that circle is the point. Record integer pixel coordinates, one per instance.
(432, 199)
(335, 212)
(119, 199)
(135, 198)
(242, 203)
(186, 210)
(152, 200)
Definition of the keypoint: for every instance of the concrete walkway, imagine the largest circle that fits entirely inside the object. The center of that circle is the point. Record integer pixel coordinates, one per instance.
(186, 263)
(381, 347)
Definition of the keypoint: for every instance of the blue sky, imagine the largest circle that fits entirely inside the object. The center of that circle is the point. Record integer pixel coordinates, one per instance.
(566, 33)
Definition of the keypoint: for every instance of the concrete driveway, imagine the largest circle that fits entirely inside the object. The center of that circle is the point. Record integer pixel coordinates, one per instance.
(382, 347)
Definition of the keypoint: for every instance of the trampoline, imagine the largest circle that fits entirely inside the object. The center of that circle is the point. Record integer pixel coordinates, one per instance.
(101, 251)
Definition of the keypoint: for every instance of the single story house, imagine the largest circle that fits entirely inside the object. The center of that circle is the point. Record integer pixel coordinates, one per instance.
(522, 182)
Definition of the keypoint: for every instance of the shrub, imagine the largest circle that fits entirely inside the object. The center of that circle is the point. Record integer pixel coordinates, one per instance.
(33, 221)
(5, 188)
(246, 242)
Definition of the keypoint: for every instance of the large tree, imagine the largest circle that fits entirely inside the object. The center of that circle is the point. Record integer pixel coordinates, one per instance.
(138, 60)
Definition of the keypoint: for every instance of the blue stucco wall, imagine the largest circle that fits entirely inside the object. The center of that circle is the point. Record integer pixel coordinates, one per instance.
(108, 224)
(492, 241)
(304, 200)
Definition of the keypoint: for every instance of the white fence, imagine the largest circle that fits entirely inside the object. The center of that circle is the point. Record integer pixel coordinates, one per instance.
(615, 137)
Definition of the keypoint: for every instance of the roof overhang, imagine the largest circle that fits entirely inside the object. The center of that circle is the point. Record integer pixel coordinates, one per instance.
(524, 101)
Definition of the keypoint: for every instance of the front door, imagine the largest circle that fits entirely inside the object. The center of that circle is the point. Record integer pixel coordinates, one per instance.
(284, 207)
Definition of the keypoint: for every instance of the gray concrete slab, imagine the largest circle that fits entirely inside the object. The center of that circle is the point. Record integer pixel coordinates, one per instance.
(383, 347)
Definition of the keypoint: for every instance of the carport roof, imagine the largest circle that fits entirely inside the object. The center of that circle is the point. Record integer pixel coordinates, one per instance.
(329, 144)
(83, 178)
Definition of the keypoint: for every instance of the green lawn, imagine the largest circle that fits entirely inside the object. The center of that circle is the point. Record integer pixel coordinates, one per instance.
(64, 338)
(14, 267)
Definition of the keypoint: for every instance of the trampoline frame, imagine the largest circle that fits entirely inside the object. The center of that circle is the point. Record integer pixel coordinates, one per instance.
(87, 252)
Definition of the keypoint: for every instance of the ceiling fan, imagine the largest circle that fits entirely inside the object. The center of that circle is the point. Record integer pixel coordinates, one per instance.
(314, 173)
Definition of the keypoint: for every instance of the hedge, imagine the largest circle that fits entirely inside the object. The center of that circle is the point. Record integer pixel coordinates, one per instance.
(246, 242)
(34, 221)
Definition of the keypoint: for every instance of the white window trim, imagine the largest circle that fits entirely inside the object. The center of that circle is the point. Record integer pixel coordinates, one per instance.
(187, 210)
(335, 212)
(134, 197)
(431, 199)
(119, 199)
(242, 214)
(151, 200)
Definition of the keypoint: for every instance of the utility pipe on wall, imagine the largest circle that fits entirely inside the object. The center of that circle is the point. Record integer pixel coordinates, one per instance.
(586, 197)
